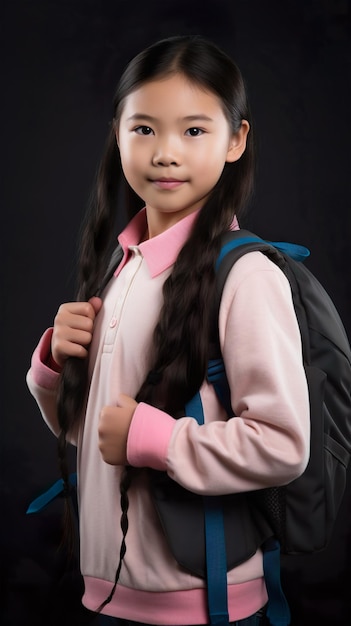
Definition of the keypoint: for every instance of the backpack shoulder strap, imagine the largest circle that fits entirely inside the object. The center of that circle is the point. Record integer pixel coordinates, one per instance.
(115, 260)
(235, 244)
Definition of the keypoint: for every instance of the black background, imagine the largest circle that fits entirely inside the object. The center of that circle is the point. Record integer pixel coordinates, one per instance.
(60, 61)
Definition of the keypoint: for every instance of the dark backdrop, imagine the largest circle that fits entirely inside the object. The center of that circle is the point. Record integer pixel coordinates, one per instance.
(60, 61)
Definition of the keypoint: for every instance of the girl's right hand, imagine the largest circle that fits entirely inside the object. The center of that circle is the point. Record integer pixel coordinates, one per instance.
(73, 329)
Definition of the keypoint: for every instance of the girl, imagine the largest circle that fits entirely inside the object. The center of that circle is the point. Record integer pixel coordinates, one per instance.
(114, 374)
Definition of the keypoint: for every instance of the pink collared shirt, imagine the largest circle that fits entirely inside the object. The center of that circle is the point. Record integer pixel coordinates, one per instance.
(267, 443)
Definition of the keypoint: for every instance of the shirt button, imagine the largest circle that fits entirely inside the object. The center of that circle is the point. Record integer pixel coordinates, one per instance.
(113, 322)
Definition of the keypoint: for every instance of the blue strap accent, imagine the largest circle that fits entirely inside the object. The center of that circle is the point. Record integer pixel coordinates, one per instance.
(216, 561)
(217, 377)
(53, 492)
(295, 251)
(235, 243)
(278, 612)
(194, 409)
(278, 608)
(215, 370)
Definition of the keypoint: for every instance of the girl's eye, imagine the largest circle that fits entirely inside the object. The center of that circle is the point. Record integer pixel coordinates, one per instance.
(143, 130)
(194, 132)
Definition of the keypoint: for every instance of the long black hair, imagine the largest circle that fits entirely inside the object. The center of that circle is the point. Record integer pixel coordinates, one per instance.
(181, 334)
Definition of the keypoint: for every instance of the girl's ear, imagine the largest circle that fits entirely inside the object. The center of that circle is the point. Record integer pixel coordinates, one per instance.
(237, 143)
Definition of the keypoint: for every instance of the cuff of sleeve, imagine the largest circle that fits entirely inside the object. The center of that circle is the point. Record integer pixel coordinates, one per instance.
(148, 438)
(42, 374)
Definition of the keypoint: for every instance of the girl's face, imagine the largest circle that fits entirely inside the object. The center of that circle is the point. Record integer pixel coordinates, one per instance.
(174, 140)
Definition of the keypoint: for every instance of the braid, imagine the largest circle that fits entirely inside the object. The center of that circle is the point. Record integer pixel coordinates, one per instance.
(125, 483)
(70, 394)
(181, 335)
(94, 252)
(68, 538)
(181, 352)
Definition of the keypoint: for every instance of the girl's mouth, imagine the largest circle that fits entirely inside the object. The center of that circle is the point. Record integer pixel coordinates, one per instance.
(168, 183)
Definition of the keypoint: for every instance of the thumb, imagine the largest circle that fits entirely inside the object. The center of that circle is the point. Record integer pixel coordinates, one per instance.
(96, 303)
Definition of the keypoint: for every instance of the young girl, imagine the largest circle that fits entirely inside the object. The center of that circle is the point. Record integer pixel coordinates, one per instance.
(114, 374)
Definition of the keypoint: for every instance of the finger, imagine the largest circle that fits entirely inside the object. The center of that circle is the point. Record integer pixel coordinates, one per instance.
(79, 318)
(73, 335)
(74, 322)
(84, 309)
(68, 349)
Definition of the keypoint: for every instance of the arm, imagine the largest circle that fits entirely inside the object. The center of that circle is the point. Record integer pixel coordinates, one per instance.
(70, 337)
(268, 442)
(42, 381)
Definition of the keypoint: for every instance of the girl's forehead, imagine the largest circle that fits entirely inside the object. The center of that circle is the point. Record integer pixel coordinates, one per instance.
(172, 94)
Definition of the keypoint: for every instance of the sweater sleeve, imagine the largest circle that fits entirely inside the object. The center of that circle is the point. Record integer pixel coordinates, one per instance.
(42, 382)
(267, 443)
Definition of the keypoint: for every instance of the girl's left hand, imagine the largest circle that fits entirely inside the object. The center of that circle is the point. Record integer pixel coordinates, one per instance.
(114, 423)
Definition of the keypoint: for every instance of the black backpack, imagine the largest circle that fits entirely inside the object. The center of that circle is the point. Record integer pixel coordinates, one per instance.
(302, 513)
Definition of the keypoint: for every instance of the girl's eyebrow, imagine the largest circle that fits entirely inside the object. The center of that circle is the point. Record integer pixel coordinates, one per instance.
(188, 118)
(200, 116)
(141, 116)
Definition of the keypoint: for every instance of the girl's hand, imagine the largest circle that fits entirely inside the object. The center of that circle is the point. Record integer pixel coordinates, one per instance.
(114, 423)
(73, 329)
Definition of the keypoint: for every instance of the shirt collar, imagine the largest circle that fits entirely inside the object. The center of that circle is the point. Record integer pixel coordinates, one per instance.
(159, 252)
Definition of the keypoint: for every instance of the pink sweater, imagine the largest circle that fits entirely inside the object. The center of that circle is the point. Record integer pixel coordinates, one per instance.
(266, 444)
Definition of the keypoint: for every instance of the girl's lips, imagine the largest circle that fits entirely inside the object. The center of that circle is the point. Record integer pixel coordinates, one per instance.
(167, 183)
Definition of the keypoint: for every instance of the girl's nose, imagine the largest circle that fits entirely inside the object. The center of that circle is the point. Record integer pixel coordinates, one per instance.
(166, 153)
